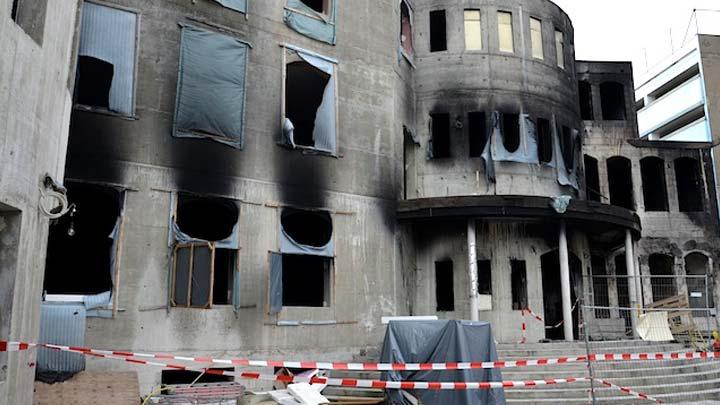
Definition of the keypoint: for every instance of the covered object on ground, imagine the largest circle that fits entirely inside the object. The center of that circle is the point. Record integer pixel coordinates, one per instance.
(439, 342)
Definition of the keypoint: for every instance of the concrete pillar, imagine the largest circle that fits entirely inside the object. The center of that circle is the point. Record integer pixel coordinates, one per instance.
(632, 282)
(472, 270)
(565, 284)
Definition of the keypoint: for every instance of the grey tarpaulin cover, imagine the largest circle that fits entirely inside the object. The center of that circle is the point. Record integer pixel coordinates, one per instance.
(237, 5)
(565, 176)
(108, 34)
(309, 22)
(438, 342)
(211, 87)
(289, 245)
(495, 151)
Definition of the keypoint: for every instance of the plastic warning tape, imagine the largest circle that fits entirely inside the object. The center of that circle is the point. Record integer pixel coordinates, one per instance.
(14, 346)
(628, 391)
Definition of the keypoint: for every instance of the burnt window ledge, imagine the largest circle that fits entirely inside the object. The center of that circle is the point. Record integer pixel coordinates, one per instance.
(104, 111)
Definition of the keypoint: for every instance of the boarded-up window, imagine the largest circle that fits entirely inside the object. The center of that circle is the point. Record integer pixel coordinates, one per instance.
(536, 38)
(440, 135)
(689, 184)
(484, 269)
(406, 33)
(473, 30)
(477, 133)
(438, 31)
(108, 35)
(511, 131)
(211, 96)
(560, 49)
(444, 286)
(545, 142)
(620, 183)
(592, 178)
(518, 278)
(505, 32)
(652, 170)
(586, 104)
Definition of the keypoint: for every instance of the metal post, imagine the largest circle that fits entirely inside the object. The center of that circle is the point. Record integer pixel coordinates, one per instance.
(473, 270)
(632, 284)
(565, 284)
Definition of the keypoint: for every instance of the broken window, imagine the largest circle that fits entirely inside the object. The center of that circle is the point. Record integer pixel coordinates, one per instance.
(82, 245)
(652, 170)
(205, 272)
(484, 271)
(406, 33)
(586, 103)
(518, 279)
(612, 101)
(313, 18)
(689, 184)
(183, 377)
(30, 16)
(438, 31)
(620, 183)
(663, 284)
(473, 30)
(545, 143)
(505, 32)
(511, 131)
(211, 96)
(601, 297)
(444, 286)
(592, 179)
(440, 135)
(699, 282)
(310, 102)
(107, 37)
(301, 273)
(477, 133)
(560, 48)
(536, 38)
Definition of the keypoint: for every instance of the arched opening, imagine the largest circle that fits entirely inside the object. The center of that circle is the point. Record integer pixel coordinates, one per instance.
(305, 88)
(663, 280)
(700, 288)
(592, 178)
(545, 143)
(511, 131)
(620, 182)
(689, 184)
(552, 292)
(652, 170)
(612, 101)
(586, 105)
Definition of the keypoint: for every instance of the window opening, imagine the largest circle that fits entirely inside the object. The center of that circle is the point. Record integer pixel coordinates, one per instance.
(484, 277)
(519, 284)
(586, 103)
(600, 287)
(592, 179)
(477, 133)
(305, 89)
(210, 219)
(438, 31)
(662, 287)
(567, 146)
(440, 135)
(473, 30)
(511, 131)
(552, 292)
(306, 281)
(652, 170)
(505, 32)
(700, 290)
(545, 143)
(560, 48)
(406, 34)
(612, 101)
(182, 377)
(689, 185)
(81, 246)
(223, 276)
(318, 5)
(312, 228)
(620, 182)
(536, 38)
(96, 90)
(444, 286)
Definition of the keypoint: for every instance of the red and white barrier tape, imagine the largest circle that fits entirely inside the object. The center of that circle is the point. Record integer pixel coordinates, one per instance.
(16, 346)
(628, 391)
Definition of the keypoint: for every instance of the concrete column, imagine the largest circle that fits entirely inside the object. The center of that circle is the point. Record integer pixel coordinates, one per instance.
(472, 270)
(565, 284)
(632, 282)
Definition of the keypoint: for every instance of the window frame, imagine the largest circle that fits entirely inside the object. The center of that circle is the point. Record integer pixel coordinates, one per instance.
(512, 31)
(532, 42)
(560, 49)
(479, 26)
(430, 30)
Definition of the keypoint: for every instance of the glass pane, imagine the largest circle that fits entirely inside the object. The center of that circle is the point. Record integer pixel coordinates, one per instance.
(473, 30)
(536, 38)
(505, 32)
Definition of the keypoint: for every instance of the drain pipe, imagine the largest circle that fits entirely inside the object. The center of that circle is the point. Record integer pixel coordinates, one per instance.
(472, 270)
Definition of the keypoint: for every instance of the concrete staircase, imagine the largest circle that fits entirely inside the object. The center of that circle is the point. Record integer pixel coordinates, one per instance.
(680, 381)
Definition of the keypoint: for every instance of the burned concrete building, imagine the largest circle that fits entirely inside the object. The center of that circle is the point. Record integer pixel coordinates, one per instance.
(265, 178)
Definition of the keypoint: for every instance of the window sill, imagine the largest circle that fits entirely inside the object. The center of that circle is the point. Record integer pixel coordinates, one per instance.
(308, 150)
(104, 111)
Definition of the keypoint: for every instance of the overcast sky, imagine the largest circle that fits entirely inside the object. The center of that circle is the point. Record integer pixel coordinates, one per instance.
(636, 30)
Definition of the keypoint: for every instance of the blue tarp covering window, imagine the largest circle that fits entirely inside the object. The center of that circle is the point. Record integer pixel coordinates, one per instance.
(311, 23)
(237, 5)
(211, 87)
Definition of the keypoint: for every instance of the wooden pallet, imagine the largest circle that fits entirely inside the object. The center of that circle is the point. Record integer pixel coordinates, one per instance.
(681, 321)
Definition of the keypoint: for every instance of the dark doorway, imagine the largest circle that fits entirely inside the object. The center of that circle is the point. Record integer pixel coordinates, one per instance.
(305, 87)
(552, 293)
(592, 179)
(484, 277)
(477, 133)
(689, 184)
(545, 143)
(663, 282)
(94, 81)
(620, 182)
(652, 170)
(438, 31)
(612, 101)
(444, 286)
(623, 290)
(518, 284)
(511, 131)
(586, 104)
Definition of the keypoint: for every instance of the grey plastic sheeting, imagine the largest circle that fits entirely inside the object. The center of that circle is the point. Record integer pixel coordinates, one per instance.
(61, 324)
(276, 283)
(176, 235)
(309, 22)
(211, 87)
(439, 342)
(237, 5)
(565, 176)
(108, 34)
